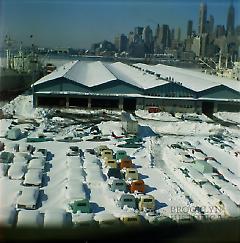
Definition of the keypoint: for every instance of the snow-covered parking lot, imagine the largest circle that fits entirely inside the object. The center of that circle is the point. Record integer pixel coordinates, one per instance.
(191, 168)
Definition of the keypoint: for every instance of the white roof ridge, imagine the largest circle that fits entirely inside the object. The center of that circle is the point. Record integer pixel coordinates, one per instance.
(75, 62)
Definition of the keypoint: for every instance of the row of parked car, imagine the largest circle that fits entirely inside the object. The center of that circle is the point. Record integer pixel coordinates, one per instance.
(122, 176)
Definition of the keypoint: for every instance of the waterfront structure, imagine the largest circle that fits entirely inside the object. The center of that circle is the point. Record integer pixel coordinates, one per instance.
(97, 85)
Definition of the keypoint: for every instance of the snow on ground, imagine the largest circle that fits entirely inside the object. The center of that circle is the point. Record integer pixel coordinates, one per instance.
(157, 163)
(228, 116)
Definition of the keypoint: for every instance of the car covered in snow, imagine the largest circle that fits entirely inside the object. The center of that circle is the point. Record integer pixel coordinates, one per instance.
(37, 163)
(16, 171)
(131, 219)
(80, 205)
(7, 216)
(107, 153)
(126, 162)
(111, 163)
(29, 218)
(137, 186)
(83, 220)
(106, 220)
(73, 151)
(33, 177)
(115, 173)
(118, 184)
(131, 174)
(98, 150)
(54, 218)
(28, 198)
(127, 200)
(146, 202)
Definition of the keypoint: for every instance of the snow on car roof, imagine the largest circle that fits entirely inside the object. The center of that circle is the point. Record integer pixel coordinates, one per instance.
(36, 163)
(210, 189)
(54, 217)
(16, 170)
(7, 215)
(104, 216)
(28, 196)
(28, 218)
(33, 176)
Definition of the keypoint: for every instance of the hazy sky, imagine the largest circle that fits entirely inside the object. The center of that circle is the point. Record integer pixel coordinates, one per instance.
(79, 23)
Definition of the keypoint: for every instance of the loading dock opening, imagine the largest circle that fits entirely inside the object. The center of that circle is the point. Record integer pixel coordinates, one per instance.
(208, 108)
(105, 103)
(79, 102)
(51, 101)
(129, 104)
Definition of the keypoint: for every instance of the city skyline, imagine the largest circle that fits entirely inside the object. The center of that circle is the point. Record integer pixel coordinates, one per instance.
(78, 24)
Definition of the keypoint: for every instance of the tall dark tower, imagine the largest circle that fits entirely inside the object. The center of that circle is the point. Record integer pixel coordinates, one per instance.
(189, 28)
(230, 20)
(202, 18)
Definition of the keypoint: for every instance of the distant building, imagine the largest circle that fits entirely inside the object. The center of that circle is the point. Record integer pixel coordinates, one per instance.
(162, 38)
(230, 20)
(202, 18)
(121, 43)
(147, 37)
(138, 31)
(196, 46)
(220, 31)
(210, 25)
(189, 28)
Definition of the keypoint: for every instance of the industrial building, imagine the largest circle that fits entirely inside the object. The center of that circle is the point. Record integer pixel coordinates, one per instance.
(121, 86)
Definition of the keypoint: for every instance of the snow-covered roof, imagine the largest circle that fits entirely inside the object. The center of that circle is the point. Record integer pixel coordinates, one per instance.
(58, 73)
(85, 73)
(191, 79)
(95, 73)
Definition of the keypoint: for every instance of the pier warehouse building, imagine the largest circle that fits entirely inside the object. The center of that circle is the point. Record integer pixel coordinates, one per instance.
(121, 86)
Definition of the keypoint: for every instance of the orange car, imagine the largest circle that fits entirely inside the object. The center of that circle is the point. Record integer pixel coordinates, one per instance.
(125, 163)
(137, 185)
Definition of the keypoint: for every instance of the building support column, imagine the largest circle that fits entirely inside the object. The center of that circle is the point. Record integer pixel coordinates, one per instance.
(89, 102)
(67, 101)
(120, 106)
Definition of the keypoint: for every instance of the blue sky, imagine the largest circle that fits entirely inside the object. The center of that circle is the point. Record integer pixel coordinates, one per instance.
(79, 23)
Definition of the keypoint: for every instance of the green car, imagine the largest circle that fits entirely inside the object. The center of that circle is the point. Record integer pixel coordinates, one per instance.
(80, 205)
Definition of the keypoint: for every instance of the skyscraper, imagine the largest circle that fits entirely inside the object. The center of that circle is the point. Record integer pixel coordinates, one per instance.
(210, 25)
(147, 36)
(189, 28)
(202, 18)
(230, 20)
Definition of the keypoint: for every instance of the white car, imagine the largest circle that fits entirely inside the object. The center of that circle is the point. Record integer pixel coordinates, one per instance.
(54, 218)
(7, 216)
(33, 177)
(28, 198)
(29, 218)
(16, 171)
(37, 163)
